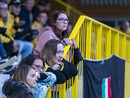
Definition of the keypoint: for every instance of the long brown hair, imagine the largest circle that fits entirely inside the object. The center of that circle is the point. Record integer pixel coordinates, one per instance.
(55, 15)
(21, 74)
(48, 53)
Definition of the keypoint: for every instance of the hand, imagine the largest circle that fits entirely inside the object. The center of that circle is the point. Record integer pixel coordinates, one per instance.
(37, 75)
(34, 27)
(15, 45)
(55, 66)
(67, 41)
(74, 43)
(19, 23)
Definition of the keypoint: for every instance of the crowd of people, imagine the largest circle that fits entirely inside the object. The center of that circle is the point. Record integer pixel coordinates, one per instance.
(31, 49)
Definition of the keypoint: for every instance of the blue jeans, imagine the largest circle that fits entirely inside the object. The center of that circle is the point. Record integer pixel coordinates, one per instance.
(2, 49)
(25, 48)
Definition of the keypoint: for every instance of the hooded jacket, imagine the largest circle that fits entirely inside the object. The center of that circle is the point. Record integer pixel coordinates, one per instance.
(45, 35)
(16, 89)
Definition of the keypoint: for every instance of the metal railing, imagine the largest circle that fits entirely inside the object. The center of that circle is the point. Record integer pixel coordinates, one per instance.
(95, 41)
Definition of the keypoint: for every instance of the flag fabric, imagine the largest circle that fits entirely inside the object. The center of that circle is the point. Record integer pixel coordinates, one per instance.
(106, 89)
(104, 78)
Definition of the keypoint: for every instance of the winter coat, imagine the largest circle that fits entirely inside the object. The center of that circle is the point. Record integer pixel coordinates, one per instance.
(16, 89)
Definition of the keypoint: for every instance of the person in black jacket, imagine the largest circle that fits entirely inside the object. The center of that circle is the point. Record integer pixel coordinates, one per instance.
(52, 54)
(23, 81)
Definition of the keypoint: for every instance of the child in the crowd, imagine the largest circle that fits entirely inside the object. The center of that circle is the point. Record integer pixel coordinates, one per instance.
(38, 24)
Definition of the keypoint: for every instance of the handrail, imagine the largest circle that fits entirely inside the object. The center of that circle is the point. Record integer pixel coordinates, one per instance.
(80, 22)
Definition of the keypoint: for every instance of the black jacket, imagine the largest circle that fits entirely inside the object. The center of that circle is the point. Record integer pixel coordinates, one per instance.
(16, 89)
(69, 70)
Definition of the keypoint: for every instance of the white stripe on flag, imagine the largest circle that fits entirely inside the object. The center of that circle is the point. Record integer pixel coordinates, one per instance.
(106, 88)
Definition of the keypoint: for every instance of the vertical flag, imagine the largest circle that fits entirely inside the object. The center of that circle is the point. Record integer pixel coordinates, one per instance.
(106, 88)
(104, 78)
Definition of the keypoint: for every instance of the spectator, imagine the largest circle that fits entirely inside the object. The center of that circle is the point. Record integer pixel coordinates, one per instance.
(8, 41)
(52, 54)
(56, 31)
(125, 27)
(26, 14)
(38, 24)
(21, 85)
(45, 79)
(43, 5)
(24, 47)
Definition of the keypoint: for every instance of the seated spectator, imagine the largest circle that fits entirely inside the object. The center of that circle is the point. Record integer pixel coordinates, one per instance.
(52, 54)
(56, 31)
(43, 5)
(125, 27)
(44, 80)
(5, 24)
(38, 24)
(20, 86)
(26, 14)
(24, 47)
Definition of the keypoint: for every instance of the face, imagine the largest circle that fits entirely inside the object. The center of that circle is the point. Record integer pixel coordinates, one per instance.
(59, 54)
(31, 78)
(42, 18)
(61, 22)
(125, 26)
(15, 9)
(38, 65)
(48, 7)
(29, 5)
(41, 8)
(3, 12)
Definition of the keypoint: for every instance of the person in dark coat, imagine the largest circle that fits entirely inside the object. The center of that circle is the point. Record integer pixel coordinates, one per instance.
(20, 85)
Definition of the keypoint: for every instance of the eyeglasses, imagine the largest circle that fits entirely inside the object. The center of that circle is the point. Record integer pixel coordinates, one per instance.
(38, 66)
(63, 20)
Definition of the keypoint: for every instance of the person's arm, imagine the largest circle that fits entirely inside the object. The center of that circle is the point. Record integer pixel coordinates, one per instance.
(50, 80)
(77, 54)
(70, 69)
(22, 33)
(5, 39)
(59, 75)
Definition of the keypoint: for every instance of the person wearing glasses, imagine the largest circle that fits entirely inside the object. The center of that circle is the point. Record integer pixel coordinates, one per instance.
(44, 79)
(57, 30)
